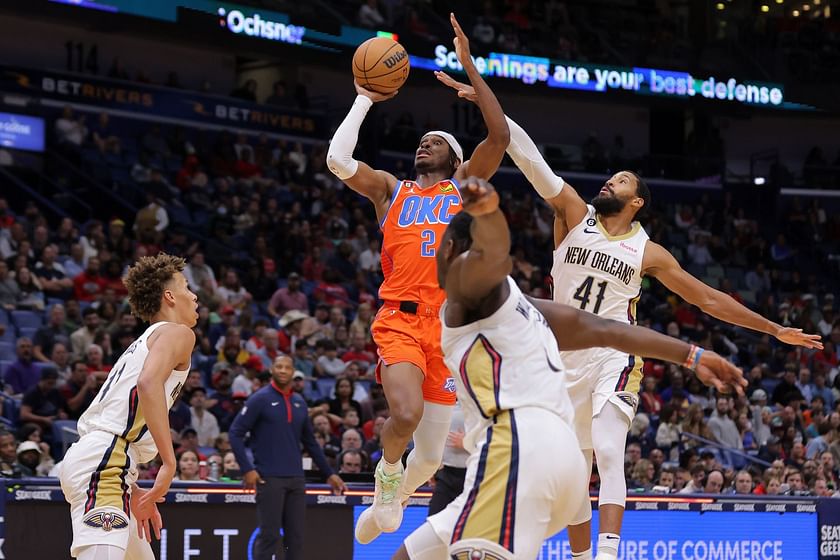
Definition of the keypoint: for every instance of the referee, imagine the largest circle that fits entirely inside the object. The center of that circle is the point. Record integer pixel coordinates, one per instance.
(449, 481)
(278, 421)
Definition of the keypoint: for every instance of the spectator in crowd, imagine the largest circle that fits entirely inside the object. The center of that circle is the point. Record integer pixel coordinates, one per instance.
(642, 476)
(188, 467)
(329, 363)
(665, 484)
(43, 403)
(351, 439)
(244, 382)
(697, 483)
(743, 482)
(280, 96)
(84, 336)
(232, 292)
(60, 360)
(723, 427)
(820, 444)
(9, 290)
(51, 275)
(369, 15)
(668, 432)
(199, 275)
(350, 462)
(204, 423)
(22, 375)
(89, 285)
(28, 459)
(343, 400)
(96, 359)
(359, 353)
(55, 331)
(787, 390)
(79, 390)
(714, 482)
(649, 400)
(71, 130)
(321, 426)
(288, 298)
(8, 455)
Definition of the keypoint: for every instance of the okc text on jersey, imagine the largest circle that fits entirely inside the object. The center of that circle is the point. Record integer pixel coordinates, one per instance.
(421, 210)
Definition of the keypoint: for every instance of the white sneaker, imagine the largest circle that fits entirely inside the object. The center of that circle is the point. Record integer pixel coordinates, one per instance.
(366, 528)
(387, 508)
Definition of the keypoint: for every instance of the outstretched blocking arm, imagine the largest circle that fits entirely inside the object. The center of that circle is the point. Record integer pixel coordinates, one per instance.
(487, 262)
(660, 263)
(568, 206)
(171, 348)
(576, 330)
(371, 183)
(487, 156)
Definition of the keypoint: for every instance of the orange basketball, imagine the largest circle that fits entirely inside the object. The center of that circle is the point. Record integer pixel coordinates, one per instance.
(380, 64)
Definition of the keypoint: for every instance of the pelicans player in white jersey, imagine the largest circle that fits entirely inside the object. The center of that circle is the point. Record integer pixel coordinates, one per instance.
(128, 422)
(601, 254)
(520, 487)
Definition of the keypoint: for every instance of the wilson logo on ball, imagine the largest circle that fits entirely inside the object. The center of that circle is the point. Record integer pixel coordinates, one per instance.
(392, 60)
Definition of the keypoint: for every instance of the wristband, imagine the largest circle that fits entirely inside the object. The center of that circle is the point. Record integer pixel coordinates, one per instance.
(693, 357)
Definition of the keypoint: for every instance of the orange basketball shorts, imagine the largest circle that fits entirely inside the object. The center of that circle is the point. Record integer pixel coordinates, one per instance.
(414, 338)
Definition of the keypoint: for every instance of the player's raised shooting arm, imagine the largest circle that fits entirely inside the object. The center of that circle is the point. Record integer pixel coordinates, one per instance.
(487, 156)
(487, 263)
(171, 348)
(567, 204)
(661, 264)
(575, 330)
(372, 183)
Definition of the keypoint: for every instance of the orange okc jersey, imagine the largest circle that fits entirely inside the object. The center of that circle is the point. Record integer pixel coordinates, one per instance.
(411, 232)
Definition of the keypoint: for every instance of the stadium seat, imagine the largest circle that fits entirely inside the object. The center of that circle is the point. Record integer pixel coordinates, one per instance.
(11, 409)
(26, 319)
(4, 365)
(65, 432)
(9, 335)
(28, 332)
(325, 386)
(7, 350)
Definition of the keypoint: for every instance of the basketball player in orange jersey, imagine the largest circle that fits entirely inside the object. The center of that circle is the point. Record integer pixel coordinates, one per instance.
(601, 255)
(413, 216)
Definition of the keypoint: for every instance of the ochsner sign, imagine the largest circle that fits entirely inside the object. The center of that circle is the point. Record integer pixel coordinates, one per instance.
(255, 25)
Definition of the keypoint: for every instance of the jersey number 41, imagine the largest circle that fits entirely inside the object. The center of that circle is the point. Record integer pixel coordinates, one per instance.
(585, 289)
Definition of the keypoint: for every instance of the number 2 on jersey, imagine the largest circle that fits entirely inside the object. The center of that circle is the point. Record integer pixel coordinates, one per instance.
(427, 248)
(583, 291)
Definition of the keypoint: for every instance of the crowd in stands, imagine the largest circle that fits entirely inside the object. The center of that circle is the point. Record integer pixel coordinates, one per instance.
(286, 260)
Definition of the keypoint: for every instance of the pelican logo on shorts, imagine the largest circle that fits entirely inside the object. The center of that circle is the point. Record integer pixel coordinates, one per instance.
(447, 188)
(474, 554)
(449, 386)
(106, 520)
(628, 399)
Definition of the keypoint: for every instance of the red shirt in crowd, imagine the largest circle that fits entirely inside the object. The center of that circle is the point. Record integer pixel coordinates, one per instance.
(87, 287)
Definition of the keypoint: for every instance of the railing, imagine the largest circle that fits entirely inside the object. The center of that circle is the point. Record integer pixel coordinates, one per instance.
(725, 451)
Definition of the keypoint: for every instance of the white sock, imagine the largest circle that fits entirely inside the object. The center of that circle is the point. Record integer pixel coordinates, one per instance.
(608, 545)
(585, 555)
(391, 468)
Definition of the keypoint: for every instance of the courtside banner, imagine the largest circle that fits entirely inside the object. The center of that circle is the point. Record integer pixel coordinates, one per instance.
(159, 101)
(829, 529)
(218, 521)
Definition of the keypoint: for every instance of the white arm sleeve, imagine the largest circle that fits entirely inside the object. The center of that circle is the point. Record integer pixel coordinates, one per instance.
(340, 155)
(530, 161)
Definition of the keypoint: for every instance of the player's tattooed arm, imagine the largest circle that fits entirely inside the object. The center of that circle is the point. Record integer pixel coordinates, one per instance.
(658, 262)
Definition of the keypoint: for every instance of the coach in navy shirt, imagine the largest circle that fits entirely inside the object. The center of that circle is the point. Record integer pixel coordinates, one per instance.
(278, 420)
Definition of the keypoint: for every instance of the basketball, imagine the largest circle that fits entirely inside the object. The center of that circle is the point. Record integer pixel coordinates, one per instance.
(380, 64)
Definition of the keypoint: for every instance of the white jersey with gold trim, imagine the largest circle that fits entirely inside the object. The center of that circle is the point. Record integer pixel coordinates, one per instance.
(506, 361)
(116, 409)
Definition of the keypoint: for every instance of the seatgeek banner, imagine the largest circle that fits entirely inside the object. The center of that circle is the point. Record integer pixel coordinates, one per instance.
(162, 102)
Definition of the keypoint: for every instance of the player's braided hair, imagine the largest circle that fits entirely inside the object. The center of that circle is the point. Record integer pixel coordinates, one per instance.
(146, 281)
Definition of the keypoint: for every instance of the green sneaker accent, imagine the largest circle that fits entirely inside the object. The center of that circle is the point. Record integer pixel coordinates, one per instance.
(389, 484)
